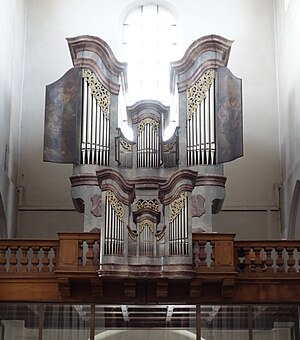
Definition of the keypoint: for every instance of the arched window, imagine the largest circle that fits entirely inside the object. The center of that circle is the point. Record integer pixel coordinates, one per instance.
(150, 44)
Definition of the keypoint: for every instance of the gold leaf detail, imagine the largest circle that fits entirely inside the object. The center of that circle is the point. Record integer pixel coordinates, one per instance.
(177, 205)
(152, 205)
(98, 91)
(126, 145)
(152, 122)
(169, 146)
(197, 92)
(116, 205)
(146, 223)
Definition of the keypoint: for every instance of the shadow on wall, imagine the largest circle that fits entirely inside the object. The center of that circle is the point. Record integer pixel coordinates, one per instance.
(153, 334)
(3, 226)
(294, 220)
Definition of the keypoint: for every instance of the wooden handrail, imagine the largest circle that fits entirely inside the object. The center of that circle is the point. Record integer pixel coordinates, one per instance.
(212, 252)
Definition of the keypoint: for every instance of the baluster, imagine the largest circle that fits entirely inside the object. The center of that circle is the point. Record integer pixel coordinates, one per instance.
(247, 261)
(45, 259)
(212, 256)
(239, 254)
(3, 258)
(89, 253)
(202, 254)
(80, 260)
(35, 259)
(196, 251)
(13, 259)
(298, 256)
(291, 260)
(280, 259)
(24, 258)
(54, 258)
(96, 252)
(269, 260)
(257, 260)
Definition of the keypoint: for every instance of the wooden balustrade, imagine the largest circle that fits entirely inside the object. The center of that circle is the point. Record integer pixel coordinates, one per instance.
(72, 251)
(27, 256)
(68, 268)
(280, 258)
(212, 252)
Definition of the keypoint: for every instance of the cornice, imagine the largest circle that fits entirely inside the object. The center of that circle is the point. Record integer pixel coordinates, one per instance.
(182, 72)
(180, 181)
(141, 110)
(110, 174)
(100, 59)
(211, 180)
(84, 179)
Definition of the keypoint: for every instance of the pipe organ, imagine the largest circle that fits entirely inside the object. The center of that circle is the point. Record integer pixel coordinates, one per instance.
(95, 121)
(148, 144)
(114, 225)
(178, 226)
(200, 126)
(147, 195)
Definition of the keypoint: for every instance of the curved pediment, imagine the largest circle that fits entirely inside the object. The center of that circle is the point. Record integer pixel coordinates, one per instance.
(210, 51)
(94, 53)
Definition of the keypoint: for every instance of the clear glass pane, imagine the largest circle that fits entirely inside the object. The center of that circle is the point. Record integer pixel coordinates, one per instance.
(155, 322)
(275, 322)
(224, 322)
(44, 321)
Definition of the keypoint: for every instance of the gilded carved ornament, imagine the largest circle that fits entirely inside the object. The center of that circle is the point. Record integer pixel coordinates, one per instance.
(99, 92)
(146, 223)
(169, 146)
(116, 205)
(152, 205)
(198, 92)
(127, 146)
(144, 122)
(177, 205)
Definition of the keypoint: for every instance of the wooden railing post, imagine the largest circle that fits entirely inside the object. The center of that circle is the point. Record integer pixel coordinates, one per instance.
(68, 252)
(224, 251)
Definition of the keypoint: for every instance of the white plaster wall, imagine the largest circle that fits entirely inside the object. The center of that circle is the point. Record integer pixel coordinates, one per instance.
(12, 37)
(251, 179)
(288, 49)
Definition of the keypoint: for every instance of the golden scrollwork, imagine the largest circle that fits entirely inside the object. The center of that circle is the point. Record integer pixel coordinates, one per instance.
(146, 223)
(152, 205)
(144, 122)
(126, 145)
(169, 146)
(177, 205)
(197, 92)
(116, 205)
(99, 92)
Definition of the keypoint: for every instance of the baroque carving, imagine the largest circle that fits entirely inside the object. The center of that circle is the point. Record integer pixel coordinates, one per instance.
(99, 92)
(126, 145)
(132, 233)
(150, 121)
(146, 223)
(197, 205)
(177, 205)
(169, 146)
(151, 204)
(161, 233)
(116, 205)
(198, 92)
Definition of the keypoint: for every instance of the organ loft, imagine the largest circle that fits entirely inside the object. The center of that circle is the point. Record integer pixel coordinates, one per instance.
(145, 195)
